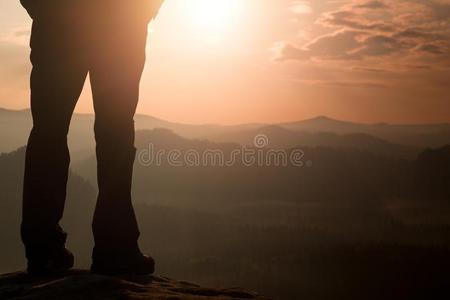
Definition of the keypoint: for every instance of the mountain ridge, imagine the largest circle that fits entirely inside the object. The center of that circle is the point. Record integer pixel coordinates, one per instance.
(15, 126)
(318, 118)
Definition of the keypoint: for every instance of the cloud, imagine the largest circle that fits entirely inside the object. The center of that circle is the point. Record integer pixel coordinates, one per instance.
(412, 31)
(353, 19)
(346, 83)
(343, 45)
(337, 45)
(374, 4)
(433, 49)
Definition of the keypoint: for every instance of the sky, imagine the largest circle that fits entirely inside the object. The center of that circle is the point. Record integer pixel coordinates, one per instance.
(242, 61)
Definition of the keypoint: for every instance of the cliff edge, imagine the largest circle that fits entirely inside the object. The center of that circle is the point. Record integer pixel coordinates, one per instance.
(80, 284)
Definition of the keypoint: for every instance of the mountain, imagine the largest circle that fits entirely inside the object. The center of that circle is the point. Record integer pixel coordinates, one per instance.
(188, 130)
(78, 284)
(194, 180)
(279, 137)
(419, 135)
(15, 127)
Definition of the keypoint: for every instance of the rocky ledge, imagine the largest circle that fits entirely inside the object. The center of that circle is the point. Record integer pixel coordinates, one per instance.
(80, 284)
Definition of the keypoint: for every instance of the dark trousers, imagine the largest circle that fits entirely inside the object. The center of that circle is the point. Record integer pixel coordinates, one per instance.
(63, 51)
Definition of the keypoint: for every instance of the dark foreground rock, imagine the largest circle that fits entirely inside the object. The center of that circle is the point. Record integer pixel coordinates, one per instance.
(79, 284)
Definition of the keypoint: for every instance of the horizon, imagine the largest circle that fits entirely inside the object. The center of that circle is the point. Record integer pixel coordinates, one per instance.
(314, 118)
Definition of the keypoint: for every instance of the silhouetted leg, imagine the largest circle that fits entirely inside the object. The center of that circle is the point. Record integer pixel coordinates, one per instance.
(58, 75)
(115, 76)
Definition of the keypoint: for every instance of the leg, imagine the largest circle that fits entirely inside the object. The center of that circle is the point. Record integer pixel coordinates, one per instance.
(57, 79)
(115, 76)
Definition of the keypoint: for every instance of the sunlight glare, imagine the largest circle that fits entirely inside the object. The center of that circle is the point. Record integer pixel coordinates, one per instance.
(213, 18)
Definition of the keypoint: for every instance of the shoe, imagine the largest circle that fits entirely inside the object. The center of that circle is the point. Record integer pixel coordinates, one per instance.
(58, 261)
(136, 264)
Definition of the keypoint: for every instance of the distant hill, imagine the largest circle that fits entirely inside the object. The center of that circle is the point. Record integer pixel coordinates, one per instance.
(351, 175)
(420, 135)
(323, 131)
(279, 137)
(188, 130)
(15, 126)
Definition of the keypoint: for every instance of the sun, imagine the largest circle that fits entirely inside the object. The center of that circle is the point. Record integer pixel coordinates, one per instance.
(212, 18)
(214, 13)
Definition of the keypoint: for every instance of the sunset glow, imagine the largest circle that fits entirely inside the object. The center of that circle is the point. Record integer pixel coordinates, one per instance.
(237, 61)
(211, 17)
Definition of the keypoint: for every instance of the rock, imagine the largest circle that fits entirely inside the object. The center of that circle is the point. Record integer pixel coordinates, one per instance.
(80, 284)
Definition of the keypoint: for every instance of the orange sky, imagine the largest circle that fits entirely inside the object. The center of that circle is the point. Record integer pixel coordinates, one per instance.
(238, 61)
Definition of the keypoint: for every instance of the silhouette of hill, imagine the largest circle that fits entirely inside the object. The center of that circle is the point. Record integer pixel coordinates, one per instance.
(15, 126)
(419, 135)
(187, 130)
(355, 179)
(322, 123)
(280, 137)
(80, 284)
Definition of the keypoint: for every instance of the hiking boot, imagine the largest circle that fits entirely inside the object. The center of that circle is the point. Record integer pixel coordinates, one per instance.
(113, 265)
(50, 263)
